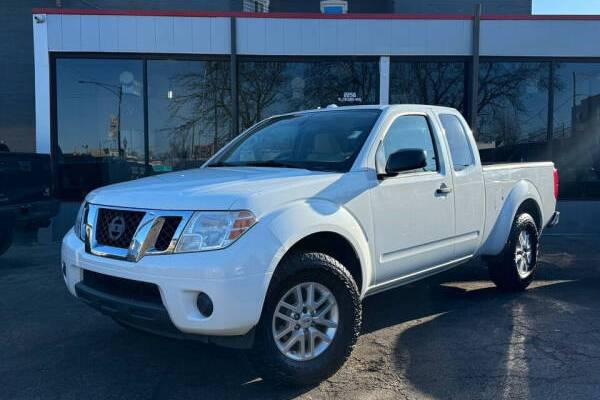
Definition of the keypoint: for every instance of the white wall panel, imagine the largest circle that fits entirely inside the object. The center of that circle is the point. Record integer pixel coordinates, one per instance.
(127, 33)
(144, 37)
(164, 34)
(566, 38)
(71, 32)
(90, 33)
(292, 35)
(254, 36)
(182, 36)
(109, 34)
(327, 37)
(310, 38)
(274, 36)
(346, 37)
(42, 84)
(220, 43)
(261, 36)
(201, 35)
(54, 32)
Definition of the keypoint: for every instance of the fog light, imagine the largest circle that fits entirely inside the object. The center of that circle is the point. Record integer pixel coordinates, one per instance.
(204, 304)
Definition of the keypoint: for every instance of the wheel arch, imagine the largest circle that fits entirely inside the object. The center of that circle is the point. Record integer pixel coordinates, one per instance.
(326, 228)
(524, 197)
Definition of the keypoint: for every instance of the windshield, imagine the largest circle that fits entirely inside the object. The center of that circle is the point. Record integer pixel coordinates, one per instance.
(321, 141)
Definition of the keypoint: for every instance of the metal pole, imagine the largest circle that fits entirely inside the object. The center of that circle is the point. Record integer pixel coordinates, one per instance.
(147, 168)
(474, 100)
(234, 78)
(119, 120)
(550, 126)
(384, 80)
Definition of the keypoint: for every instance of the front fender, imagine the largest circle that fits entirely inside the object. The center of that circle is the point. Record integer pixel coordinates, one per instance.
(300, 219)
(522, 191)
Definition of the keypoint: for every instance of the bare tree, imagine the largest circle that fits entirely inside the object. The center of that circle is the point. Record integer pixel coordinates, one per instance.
(200, 112)
(260, 84)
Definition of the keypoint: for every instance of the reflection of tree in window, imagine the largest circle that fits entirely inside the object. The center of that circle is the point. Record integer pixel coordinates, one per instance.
(436, 83)
(330, 80)
(513, 102)
(259, 85)
(276, 87)
(199, 112)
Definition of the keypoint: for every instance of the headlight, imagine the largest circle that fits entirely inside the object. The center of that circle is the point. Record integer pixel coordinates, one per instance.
(212, 230)
(79, 227)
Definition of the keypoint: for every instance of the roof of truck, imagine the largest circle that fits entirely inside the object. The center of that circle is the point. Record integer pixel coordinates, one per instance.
(408, 107)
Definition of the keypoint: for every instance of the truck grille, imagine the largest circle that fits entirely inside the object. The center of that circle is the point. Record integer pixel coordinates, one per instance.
(166, 233)
(116, 227)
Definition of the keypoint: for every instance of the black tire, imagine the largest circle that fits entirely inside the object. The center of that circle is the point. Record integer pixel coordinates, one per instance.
(327, 271)
(503, 268)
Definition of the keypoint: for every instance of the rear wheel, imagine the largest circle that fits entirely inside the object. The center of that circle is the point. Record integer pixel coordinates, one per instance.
(310, 321)
(514, 268)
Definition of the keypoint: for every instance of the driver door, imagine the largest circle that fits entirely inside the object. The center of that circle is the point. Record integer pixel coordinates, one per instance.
(413, 212)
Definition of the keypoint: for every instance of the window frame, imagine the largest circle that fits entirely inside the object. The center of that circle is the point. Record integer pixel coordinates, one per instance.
(434, 140)
(144, 58)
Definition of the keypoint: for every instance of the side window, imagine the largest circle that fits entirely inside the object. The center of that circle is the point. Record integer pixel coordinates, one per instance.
(411, 132)
(460, 149)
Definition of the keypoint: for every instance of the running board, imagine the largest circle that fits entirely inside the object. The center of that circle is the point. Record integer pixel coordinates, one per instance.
(415, 276)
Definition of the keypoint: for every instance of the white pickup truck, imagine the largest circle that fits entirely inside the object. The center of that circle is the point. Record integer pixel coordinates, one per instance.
(273, 242)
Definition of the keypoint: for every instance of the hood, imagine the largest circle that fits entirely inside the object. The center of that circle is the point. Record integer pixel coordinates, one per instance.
(202, 188)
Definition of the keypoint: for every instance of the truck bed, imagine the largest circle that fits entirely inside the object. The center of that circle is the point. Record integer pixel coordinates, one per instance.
(502, 181)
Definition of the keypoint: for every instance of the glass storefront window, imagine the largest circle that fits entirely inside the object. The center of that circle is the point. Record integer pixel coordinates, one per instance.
(576, 128)
(100, 123)
(513, 110)
(188, 112)
(435, 83)
(269, 87)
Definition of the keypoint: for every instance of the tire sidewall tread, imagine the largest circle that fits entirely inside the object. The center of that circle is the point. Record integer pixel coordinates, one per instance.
(304, 267)
(502, 268)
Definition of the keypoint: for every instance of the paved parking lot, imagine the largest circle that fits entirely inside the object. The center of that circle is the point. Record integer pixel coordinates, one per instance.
(451, 336)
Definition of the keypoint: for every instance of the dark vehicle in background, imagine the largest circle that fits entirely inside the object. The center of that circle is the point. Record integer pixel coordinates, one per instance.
(26, 194)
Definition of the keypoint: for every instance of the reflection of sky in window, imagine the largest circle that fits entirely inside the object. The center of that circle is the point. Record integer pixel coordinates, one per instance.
(188, 105)
(164, 85)
(586, 78)
(84, 110)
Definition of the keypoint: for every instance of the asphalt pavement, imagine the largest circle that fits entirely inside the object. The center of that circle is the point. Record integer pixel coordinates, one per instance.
(453, 336)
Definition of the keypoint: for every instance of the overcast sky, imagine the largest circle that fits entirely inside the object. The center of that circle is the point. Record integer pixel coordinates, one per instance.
(566, 7)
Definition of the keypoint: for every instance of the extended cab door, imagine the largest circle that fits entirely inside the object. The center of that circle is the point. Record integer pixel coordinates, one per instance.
(413, 212)
(469, 190)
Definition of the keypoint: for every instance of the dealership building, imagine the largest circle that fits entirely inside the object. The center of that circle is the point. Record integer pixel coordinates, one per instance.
(121, 94)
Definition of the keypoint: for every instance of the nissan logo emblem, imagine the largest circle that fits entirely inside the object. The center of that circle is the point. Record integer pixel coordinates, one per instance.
(116, 228)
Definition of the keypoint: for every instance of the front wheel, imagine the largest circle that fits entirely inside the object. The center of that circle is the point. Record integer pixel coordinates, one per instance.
(514, 268)
(310, 321)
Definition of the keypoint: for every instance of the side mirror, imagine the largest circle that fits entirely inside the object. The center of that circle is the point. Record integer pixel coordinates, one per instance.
(405, 160)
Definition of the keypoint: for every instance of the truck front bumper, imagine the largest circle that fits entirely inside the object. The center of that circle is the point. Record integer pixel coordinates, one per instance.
(236, 280)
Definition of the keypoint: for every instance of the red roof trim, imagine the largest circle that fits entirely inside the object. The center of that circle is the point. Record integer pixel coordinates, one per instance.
(382, 16)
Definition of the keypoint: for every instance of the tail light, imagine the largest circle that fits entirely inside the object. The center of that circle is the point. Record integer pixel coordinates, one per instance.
(555, 183)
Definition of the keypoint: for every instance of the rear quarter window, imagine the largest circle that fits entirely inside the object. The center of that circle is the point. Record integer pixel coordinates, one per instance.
(458, 142)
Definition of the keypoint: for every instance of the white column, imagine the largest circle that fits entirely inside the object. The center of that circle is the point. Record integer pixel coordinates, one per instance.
(42, 83)
(384, 80)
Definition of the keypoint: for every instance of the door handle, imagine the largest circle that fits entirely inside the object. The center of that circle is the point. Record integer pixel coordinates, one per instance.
(443, 189)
